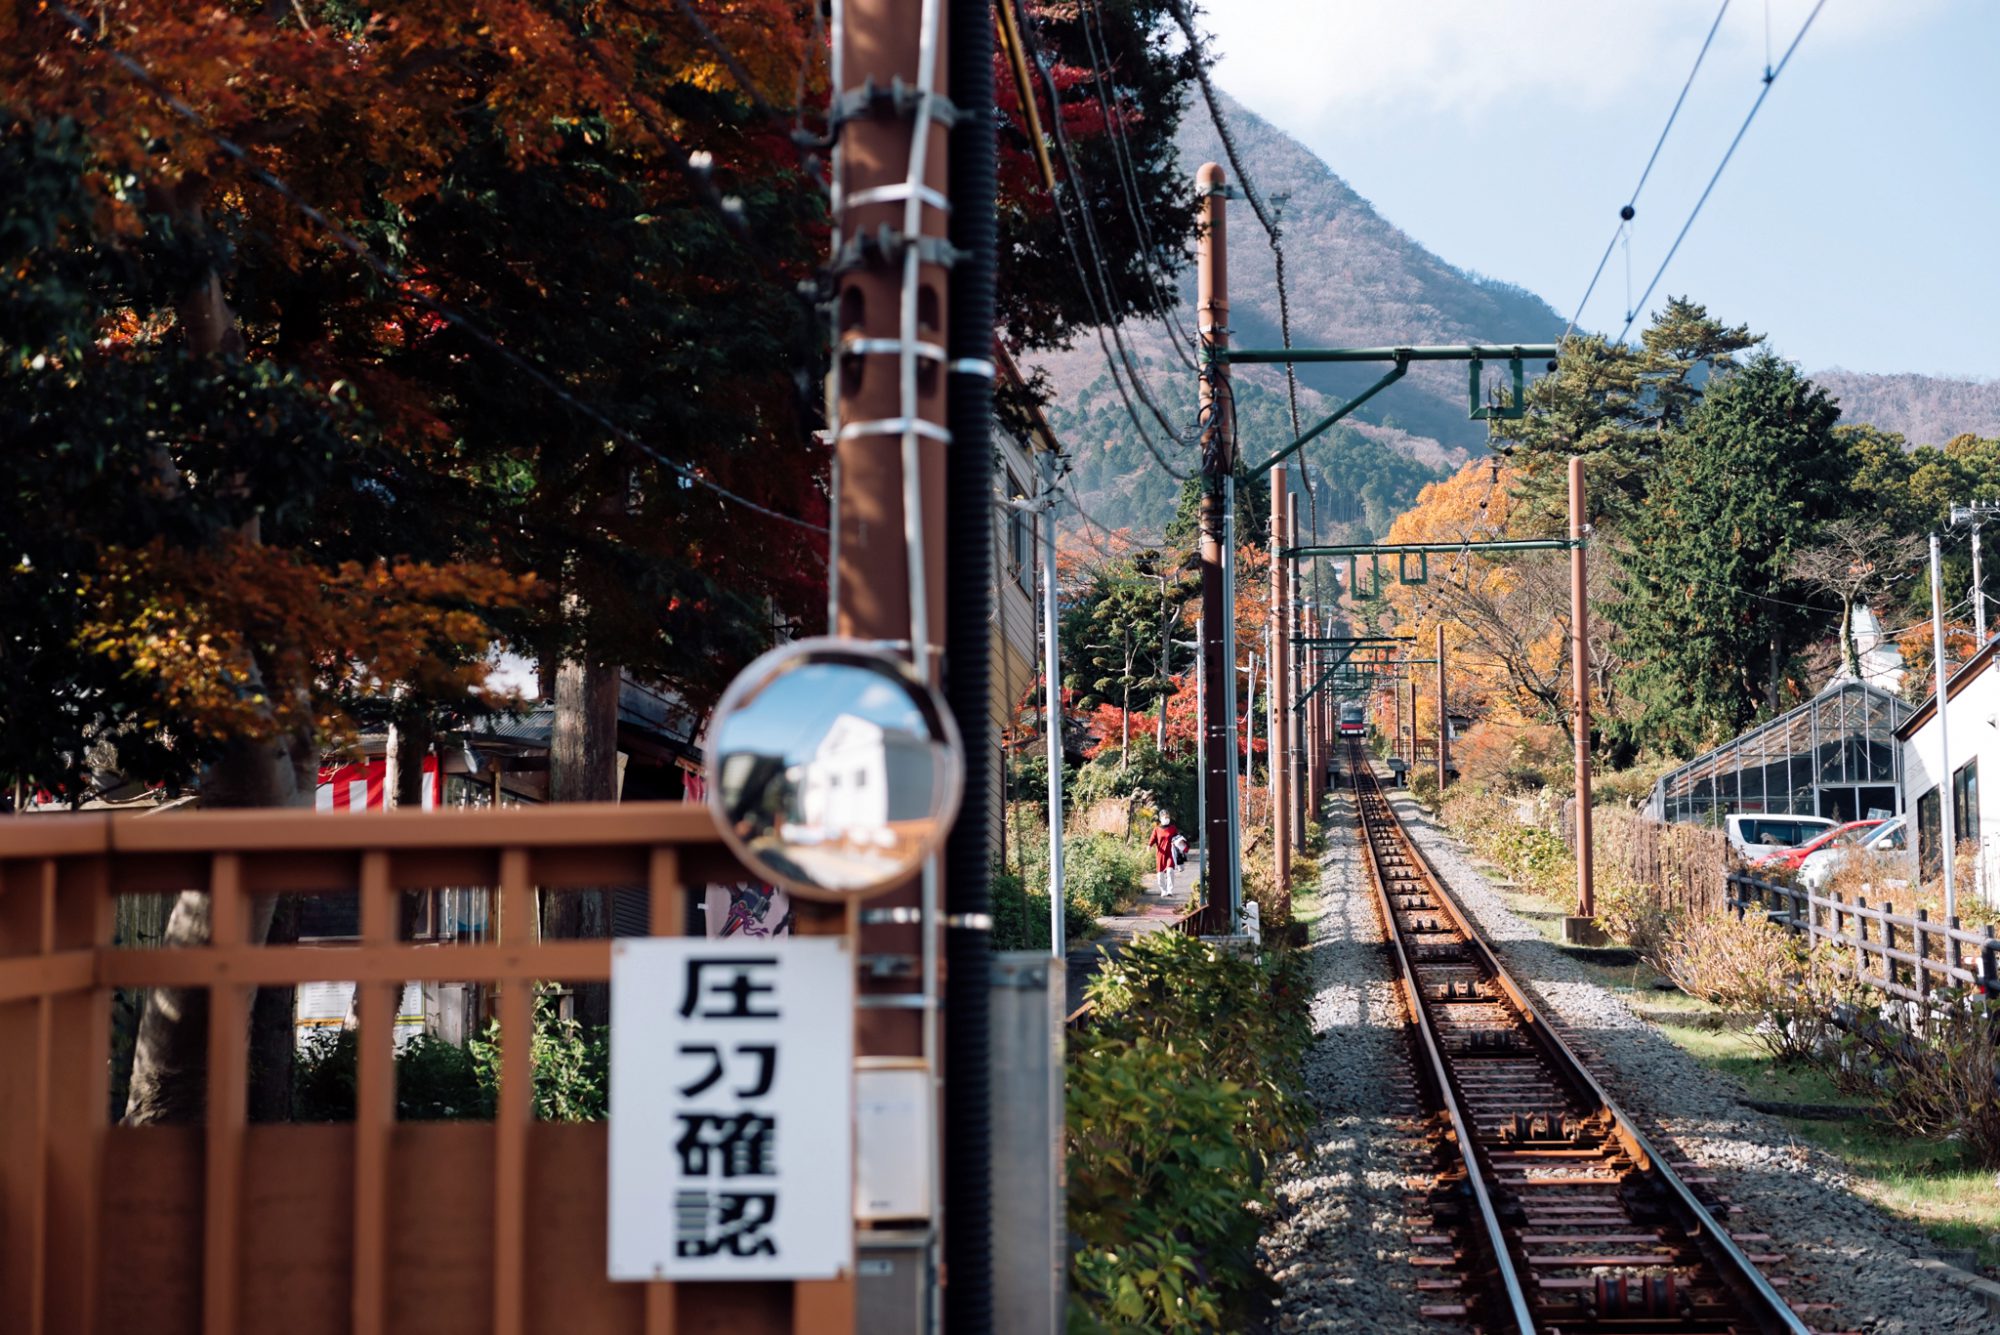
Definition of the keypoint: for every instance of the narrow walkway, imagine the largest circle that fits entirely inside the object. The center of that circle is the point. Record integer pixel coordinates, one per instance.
(1151, 912)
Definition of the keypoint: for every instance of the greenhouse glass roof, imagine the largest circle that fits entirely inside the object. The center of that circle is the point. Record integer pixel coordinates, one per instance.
(1835, 755)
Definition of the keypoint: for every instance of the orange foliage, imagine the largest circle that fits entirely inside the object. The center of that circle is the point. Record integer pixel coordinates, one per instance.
(251, 641)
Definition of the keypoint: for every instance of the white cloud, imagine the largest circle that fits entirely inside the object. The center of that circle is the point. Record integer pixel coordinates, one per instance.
(1306, 60)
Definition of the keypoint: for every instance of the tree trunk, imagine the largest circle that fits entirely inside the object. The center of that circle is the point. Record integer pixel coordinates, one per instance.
(1776, 677)
(583, 767)
(273, 1032)
(170, 1057)
(1850, 653)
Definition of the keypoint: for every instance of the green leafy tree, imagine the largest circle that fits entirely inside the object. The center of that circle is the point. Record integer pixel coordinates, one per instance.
(1117, 636)
(1709, 612)
(1615, 405)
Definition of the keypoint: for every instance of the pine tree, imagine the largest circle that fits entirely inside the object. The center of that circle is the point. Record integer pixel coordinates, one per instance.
(1709, 611)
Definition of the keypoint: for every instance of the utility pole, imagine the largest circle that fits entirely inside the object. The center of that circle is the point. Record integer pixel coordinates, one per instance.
(1977, 514)
(1294, 686)
(1947, 831)
(1052, 708)
(913, 248)
(1277, 741)
(1218, 460)
(1396, 703)
(1444, 717)
(1581, 928)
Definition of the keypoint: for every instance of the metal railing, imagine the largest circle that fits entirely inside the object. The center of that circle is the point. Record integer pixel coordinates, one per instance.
(364, 1227)
(1906, 955)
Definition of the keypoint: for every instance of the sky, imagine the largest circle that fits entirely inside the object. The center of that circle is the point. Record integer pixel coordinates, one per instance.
(1856, 225)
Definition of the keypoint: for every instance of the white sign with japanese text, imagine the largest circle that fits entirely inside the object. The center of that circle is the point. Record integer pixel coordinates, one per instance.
(732, 1068)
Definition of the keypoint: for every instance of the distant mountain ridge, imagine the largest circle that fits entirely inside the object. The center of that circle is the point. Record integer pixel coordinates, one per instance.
(1356, 279)
(1923, 409)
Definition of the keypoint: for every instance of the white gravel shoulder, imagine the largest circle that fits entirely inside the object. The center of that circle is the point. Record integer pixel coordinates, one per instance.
(1843, 1249)
(1339, 1242)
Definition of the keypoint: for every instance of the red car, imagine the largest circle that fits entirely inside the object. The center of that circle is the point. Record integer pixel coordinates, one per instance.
(1789, 859)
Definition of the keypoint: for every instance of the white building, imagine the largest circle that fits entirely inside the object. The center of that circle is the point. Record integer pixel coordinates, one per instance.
(1972, 714)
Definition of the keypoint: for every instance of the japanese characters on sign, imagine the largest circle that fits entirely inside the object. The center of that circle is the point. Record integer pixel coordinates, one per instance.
(731, 1108)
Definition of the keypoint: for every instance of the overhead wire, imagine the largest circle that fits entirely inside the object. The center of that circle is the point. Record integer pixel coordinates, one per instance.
(1630, 208)
(1095, 275)
(1114, 128)
(400, 280)
(1771, 74)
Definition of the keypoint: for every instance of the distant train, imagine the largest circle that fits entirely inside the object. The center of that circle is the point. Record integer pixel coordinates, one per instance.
(1351, 722)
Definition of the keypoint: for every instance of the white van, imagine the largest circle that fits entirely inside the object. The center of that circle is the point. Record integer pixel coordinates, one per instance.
(1753, 834)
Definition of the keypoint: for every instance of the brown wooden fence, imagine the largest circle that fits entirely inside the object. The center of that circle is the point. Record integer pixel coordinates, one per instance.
(430, 1228)
(1681, 865)
(1907, 955)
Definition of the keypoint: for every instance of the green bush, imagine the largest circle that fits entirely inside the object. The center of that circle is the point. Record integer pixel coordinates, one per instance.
(1424, 787)
(1102, 872)
(437, 1081)
(1021, 916)
(1181, 1093)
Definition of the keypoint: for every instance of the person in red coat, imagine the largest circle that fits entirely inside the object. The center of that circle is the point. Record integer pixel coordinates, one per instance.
(1162, 844)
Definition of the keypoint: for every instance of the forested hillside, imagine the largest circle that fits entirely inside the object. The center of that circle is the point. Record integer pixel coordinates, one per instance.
(1355, 279)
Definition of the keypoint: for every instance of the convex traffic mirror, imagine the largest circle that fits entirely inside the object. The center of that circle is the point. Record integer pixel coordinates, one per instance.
(832, 770)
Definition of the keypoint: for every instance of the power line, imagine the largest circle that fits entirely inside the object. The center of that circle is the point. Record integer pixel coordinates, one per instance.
(1272, 232)
(1105, 314)
(1128, 176)
(1770, 77)
(1626, 213)
(396, 277)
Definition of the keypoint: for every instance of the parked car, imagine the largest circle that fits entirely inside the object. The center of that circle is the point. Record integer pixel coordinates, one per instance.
(1753, 835)
(1891, 836)
(1854, 832)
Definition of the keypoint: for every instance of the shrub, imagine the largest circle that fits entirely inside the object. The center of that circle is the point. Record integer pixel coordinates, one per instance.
(1755, 966)
(1021, 916)
(1179, 1096)
(1424, 787)
(1935, 1066)
(1101, 872)
(1634, 914)
(1156, 1197)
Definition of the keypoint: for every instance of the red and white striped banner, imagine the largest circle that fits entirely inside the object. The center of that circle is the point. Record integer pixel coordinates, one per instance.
(360, 786)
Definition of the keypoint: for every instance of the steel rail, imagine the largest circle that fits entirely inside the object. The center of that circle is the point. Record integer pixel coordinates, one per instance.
(1439, 1078)
(1698, 1227)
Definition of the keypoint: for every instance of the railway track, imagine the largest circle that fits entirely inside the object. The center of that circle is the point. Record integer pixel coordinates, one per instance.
(1550, 1211)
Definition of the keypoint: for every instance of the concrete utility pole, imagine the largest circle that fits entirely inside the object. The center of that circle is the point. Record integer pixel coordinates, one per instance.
(1218, 460)
(1308, 718)
(1978, 513)
(1052, 708)
(1281, 754)
(1947, 831)
(1581, 928)
(913, 340)
(1444, 718)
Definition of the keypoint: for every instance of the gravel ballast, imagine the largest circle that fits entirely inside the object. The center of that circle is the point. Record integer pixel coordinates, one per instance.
(1841, 1248)
(1339, 1245)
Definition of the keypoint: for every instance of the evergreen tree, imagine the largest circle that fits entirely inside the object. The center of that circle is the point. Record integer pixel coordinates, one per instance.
(1615, 405)
(1709, 612)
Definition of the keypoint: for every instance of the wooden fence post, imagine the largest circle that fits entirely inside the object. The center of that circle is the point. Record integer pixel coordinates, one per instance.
(1923, 956)
(1888, 946)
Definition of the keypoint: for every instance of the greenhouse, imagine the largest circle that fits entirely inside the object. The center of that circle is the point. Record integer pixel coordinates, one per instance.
(1835, 755)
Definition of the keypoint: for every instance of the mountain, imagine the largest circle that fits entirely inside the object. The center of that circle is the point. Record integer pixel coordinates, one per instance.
(1354, 280)
(1925, 410)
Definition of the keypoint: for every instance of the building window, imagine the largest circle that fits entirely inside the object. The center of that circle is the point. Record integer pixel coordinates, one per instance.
(1929, 814)
(1020, 539)
(1965, 802)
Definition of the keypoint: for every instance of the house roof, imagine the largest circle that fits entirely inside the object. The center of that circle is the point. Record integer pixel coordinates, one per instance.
(1960, 678)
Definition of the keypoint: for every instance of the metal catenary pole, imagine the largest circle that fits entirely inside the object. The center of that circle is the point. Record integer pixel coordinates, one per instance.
(1236, 778)
(1052, 710)
(1579, 627)
(1218, 457)
(1947, 826)
(1444, 717)
(1279, 757)
(1295, 810)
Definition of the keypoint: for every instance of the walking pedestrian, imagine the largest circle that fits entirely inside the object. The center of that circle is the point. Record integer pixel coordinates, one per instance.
(1162, 844)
